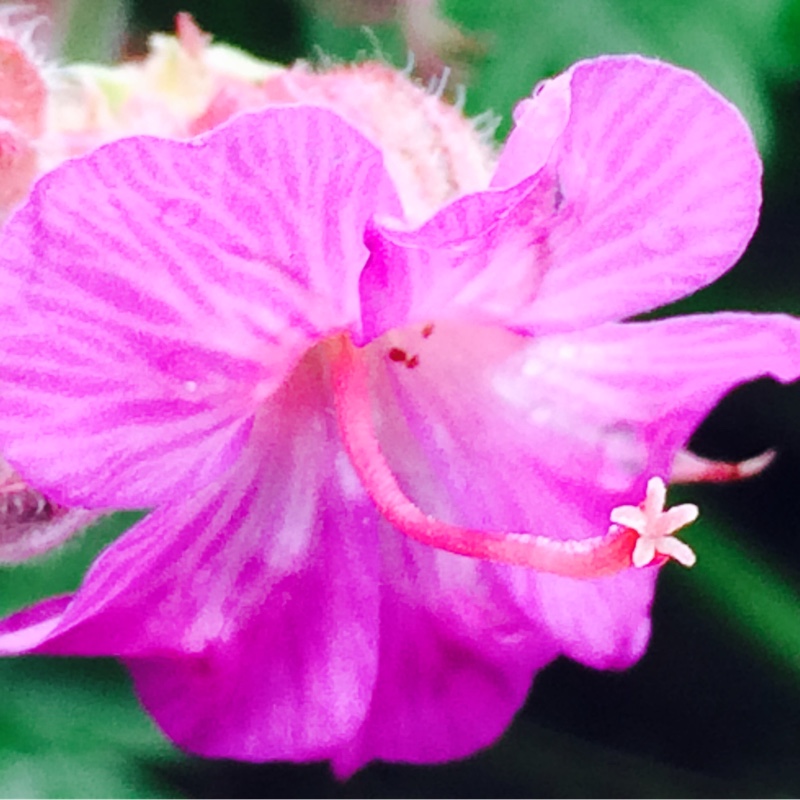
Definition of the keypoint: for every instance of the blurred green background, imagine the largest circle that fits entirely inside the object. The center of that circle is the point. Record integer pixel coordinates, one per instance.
(714, 707)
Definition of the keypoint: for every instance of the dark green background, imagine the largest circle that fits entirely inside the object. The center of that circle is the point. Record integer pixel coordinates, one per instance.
(714, 707)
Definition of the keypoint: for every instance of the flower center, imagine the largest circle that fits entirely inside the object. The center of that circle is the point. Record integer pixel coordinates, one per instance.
(631, 540)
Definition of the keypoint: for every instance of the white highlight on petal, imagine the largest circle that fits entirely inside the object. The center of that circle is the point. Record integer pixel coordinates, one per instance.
(656, 526)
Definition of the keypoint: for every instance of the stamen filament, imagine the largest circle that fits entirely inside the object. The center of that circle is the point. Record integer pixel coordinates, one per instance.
(589, 558)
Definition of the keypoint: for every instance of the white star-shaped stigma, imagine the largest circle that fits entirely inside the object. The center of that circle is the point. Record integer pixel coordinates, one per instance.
(655, 526)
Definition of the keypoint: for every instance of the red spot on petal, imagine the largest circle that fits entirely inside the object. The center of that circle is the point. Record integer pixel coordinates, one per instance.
(396, 354)
(427, 330)
(412, 362)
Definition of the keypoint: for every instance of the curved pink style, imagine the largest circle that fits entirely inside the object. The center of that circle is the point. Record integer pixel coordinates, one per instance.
(599, 557)
(335, 413)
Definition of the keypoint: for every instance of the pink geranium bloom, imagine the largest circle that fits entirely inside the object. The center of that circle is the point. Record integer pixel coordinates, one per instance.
(375, 452)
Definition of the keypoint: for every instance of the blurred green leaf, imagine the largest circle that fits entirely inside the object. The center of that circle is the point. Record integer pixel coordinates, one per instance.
(734, 45)
(740, 47)
(94, 30)
(328, 40)
(566, 766)
(45, 775)
(61, 570)
(748, 594)
(74, 729)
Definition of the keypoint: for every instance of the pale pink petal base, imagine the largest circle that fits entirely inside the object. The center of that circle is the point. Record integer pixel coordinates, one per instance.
(456, 410)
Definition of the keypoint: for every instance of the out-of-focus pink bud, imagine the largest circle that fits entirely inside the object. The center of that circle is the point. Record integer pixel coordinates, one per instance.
(22, 105)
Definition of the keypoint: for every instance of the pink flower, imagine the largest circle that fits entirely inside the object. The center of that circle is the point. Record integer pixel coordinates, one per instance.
(324, 406)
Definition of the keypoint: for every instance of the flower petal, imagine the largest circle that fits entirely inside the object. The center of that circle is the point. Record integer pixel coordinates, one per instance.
(155, 291)
(548, 435)
(291, 677)
(456, 659)
(26, 630)
(249, 614)
(479, 259)
(642, 185)
(539, 122)
(467, 453)
(660, 184)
